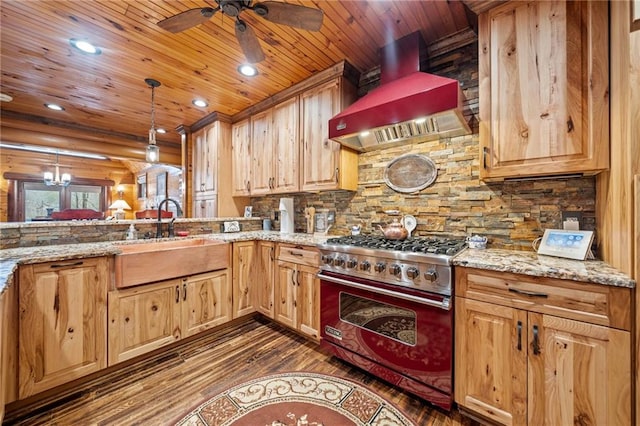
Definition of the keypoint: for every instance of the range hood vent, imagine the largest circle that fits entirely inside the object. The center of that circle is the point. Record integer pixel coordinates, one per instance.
(408, 106)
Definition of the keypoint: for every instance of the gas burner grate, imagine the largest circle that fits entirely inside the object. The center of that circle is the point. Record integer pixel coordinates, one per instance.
(431, 245)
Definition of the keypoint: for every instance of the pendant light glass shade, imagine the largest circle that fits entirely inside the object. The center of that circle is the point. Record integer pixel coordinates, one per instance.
(152, 152)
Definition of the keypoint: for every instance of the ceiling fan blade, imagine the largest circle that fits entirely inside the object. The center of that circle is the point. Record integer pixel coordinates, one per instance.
(305, 18)
(249, 43)
(187, 19)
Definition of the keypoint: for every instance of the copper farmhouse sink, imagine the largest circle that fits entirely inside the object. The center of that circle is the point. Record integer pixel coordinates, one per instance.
(152, 261)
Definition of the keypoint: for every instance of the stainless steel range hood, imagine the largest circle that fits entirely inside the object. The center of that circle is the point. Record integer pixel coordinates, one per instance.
(408, 106)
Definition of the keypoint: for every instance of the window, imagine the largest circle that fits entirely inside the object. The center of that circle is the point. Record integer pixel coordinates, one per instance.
(41, 200)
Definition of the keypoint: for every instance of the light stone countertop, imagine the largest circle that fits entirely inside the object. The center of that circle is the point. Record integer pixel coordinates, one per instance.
(520, 262)
(10, 259)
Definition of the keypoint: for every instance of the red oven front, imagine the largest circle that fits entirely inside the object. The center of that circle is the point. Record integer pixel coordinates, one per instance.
(401, 335)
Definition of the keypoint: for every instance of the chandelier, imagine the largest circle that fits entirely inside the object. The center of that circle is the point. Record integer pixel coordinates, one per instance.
(153, 152)
(51, 179)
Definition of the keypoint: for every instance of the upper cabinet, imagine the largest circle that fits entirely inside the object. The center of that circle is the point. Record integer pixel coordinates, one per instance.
(326, 165)
(282, 146)
(544, 94)
(212, 190)
(275, 149)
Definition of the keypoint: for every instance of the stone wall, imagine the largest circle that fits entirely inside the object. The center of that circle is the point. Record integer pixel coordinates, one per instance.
(512, 214)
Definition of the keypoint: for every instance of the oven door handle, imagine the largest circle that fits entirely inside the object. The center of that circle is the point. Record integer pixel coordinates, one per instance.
(445, 304)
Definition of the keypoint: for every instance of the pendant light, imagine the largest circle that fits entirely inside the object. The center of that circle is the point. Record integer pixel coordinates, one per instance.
(51, 179)
(153, 152)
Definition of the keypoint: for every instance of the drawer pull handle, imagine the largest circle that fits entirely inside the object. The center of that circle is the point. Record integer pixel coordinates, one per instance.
(67, 265)
(177, 294)
(528, 293)
(536, 341)
(184, 291)
(293, 253)
(519, 335)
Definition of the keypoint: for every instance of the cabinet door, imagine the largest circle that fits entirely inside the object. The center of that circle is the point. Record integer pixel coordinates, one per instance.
(143, 318)
(262, 148)
(491, 360)
(243, 258)
(241, 158)
(206, 301)
(580, 373)
(62, 322)
(285, 294)
(206, 207)
(320, 154)
(543, 70)
(286, 139)
(199, 151)
(263, 281)
(308, 301)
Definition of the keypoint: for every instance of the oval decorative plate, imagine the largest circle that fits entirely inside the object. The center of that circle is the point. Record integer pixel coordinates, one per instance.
(410, 173)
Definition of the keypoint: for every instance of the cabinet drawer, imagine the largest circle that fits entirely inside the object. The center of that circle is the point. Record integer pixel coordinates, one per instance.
(303, 255)
(593, 303)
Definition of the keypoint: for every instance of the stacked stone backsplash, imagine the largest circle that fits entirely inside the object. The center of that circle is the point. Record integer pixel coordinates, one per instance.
(511, 214)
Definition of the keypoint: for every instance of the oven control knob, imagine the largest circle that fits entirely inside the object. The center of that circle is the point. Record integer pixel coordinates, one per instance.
(412, 272)
(338, 261)
(395, 269)
(352, 263)
(365, 265)
(380, 267)
(431, 275)
(326, 259)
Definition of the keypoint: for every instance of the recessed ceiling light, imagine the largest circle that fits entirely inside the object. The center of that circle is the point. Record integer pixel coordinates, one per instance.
(200, 103)
(54, 107)
(162, 131)
(5, 98)
(420, 120)
(248, 70)
(85, 46)
(364, 134)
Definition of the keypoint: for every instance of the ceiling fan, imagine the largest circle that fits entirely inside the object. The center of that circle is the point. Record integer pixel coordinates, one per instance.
(293, 15)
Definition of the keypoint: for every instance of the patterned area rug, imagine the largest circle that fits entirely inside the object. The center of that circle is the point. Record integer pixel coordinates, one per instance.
(296, 399)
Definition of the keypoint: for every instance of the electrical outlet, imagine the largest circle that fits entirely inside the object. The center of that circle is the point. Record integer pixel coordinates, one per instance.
(571, 220)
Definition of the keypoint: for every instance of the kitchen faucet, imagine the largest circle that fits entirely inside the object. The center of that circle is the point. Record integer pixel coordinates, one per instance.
(159, 225)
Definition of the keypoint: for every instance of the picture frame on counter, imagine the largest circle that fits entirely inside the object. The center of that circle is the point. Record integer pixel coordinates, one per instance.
(248, 211)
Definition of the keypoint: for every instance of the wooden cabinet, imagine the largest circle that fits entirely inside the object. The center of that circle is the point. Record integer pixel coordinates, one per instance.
(297, 289)
(244, 258)
(275, 149)
(149, 316)
(264, 278)
(62, 322)
(241, 158)
(212, 190)
(541, 351)
(326, 165)
(544, 94)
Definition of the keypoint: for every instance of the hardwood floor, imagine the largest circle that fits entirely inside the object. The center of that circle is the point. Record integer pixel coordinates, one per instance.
(161, 389)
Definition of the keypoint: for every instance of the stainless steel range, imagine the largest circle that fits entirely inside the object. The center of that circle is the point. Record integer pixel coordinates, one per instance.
(386, 307)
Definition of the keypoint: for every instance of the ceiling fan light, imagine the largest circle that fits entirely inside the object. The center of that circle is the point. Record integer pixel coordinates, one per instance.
(248, 70)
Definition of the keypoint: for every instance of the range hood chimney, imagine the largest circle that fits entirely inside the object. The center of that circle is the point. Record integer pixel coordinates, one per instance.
(409, 105)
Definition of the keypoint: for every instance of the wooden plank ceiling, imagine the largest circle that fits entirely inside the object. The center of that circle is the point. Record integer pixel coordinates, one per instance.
(108, 91)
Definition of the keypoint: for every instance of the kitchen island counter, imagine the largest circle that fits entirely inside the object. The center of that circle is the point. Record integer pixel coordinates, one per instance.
(531, 263)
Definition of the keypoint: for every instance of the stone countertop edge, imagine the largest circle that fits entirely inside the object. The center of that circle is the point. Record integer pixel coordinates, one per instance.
(520, 262)
(534, 264)
(10, 259)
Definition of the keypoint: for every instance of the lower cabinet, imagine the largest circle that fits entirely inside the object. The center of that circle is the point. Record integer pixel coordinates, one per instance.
(149, 316)
(244, 258)
(62, 322)
(264, 277)
(297, 289)
(541, 351)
